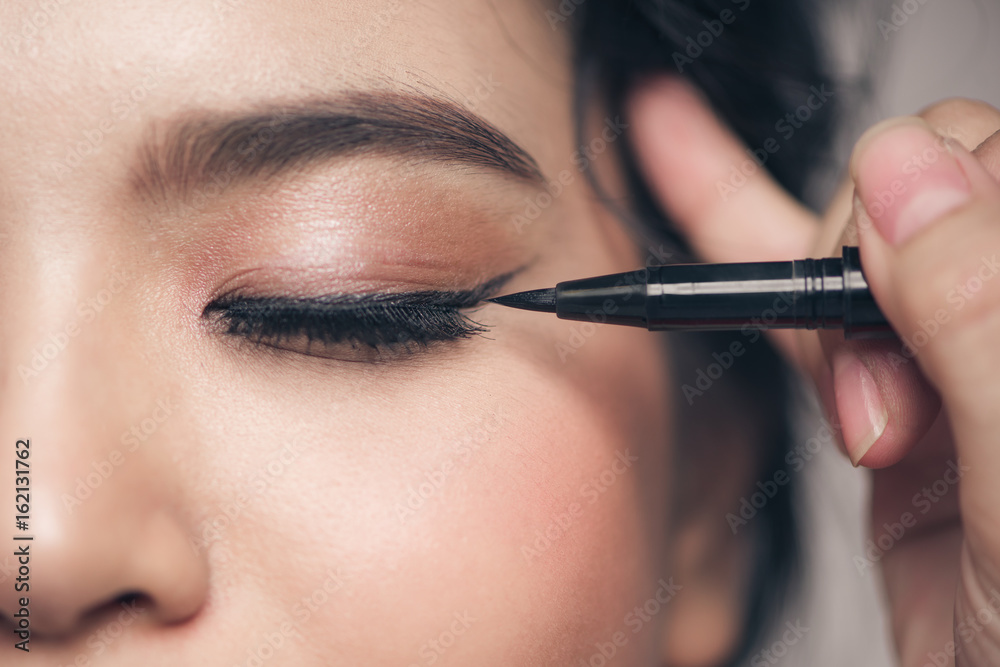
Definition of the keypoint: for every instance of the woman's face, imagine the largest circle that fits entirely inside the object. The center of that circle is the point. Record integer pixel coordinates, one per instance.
(236, 485)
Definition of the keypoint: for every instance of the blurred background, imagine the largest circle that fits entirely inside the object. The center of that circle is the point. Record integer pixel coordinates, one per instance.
(948, 48)
(896, 57)
(903, 55)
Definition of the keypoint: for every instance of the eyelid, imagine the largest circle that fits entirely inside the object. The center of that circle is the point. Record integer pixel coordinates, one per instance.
(319, 318)
(387, 322)
(364, 302)
(315, 282)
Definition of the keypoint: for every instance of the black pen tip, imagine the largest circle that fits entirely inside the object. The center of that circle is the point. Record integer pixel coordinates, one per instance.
(542, 300)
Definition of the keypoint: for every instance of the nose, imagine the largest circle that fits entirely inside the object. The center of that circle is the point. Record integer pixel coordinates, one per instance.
(82, 568)
(104, 515)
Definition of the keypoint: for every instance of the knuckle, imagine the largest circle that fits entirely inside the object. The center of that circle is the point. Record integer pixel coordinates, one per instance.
(966, 120)
(957, 107)
(949, 295)
(966, 364)
(975, 299)
(923, 281)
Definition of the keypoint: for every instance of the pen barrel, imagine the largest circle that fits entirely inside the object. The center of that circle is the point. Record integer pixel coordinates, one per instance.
(862, 316)
(829, 293)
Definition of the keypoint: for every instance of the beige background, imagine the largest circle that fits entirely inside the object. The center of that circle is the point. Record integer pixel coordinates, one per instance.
(947, 48)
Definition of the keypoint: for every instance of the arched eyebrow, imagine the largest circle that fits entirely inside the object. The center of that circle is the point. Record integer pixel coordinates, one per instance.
(201, 147)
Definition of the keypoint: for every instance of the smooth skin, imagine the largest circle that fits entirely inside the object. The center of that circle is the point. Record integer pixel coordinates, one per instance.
(923, 202)
(251, 505)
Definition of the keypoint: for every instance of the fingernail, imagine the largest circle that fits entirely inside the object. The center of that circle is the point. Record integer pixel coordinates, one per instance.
(907, 177)
(862, 413)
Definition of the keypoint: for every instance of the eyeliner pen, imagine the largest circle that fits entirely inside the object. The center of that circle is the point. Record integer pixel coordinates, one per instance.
(829, 293)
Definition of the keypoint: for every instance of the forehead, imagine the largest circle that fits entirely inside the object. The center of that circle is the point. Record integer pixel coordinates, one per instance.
(93, 72)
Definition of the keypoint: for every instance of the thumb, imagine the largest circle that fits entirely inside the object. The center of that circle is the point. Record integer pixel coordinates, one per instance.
(928, 214)
(711, 186)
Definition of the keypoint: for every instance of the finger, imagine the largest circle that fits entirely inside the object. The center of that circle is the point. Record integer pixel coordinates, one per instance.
(988, 154)
(880, 395)
(928, 221)
(970, 122)
(692, 163)
(910, 402)
(933, 252)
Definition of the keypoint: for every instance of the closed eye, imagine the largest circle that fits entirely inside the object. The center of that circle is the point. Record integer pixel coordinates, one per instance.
(353, 327)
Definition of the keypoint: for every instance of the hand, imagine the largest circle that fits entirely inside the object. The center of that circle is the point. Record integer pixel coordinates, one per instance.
(932, 266)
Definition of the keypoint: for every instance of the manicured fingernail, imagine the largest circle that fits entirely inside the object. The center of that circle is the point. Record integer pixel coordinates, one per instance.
(862, 413)
(907, 177)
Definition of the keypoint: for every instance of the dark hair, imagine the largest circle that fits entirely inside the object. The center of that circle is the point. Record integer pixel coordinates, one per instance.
(755, 64)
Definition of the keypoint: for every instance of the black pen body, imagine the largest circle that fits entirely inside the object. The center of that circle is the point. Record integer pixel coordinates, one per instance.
(829, 293)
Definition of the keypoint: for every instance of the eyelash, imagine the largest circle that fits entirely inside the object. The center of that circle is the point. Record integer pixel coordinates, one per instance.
(352, 327)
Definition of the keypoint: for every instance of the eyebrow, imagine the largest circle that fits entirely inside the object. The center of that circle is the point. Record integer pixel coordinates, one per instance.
(179, 156)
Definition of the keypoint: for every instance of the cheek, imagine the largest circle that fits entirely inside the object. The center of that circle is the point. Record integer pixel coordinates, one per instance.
(510, 509)
(534, 525)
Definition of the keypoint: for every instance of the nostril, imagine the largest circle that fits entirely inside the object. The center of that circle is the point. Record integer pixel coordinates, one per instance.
(128, 598)
(104, 622)
(119, 612)
(144, 574)
(132, 604)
